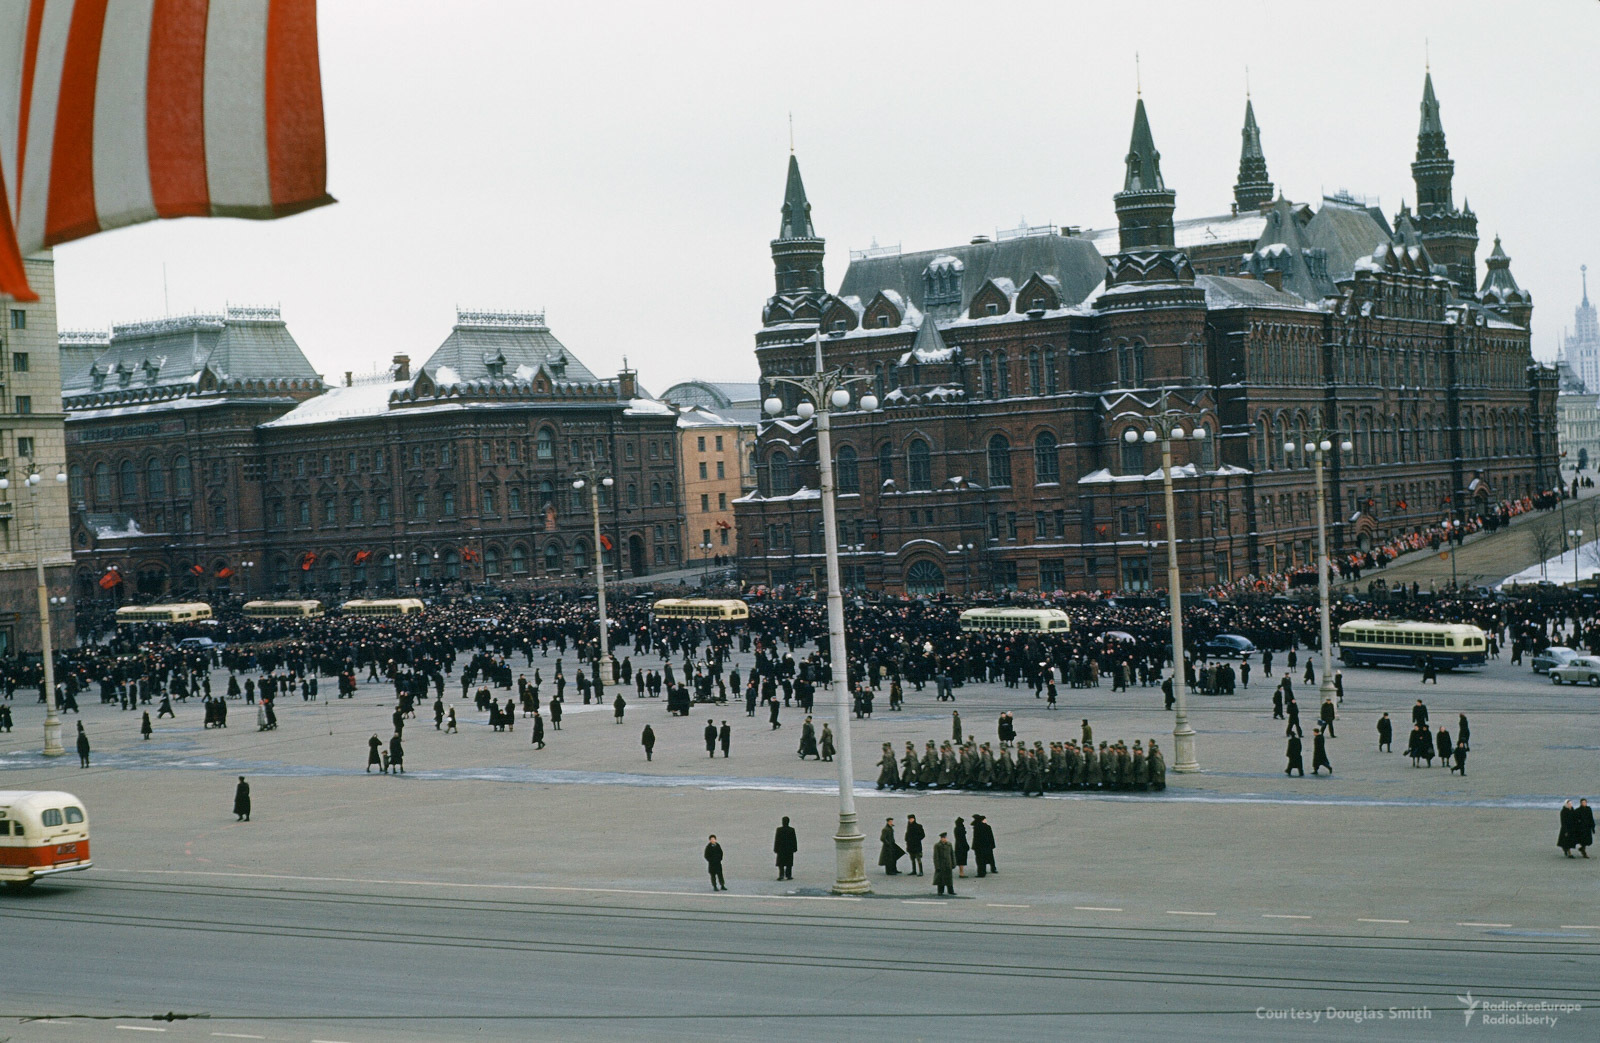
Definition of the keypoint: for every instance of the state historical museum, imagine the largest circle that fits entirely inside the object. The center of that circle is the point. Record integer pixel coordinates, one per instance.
(1010, 370)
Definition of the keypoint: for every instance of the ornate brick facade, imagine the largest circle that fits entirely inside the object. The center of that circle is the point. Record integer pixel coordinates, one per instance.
(1011, 370)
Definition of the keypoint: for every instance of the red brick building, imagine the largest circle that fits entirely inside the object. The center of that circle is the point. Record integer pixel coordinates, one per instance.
(1010, 370)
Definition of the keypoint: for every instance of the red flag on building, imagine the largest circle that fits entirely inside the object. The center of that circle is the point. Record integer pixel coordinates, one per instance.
(468, 554)
(605, 541)
(224, 572)
(362, 556)
(198, 570)
(110, 579)
(308, 559)
(116, 113)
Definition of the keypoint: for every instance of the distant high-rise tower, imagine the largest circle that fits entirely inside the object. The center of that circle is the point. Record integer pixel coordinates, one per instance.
(1583, 343)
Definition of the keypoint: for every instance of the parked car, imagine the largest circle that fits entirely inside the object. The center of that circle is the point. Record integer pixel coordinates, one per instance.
(1577, 670)
(204, 644)
(1555, 655)
(1227, 646)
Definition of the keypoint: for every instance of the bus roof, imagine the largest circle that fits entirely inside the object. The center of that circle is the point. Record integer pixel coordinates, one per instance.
(298, 604)
(171, 606)
(725, 602)
(1016, 613)
(27, 799)
(1411, 624)
(388, 602)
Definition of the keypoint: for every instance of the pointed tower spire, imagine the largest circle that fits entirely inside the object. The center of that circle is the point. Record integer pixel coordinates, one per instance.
(1585, 270)
(796, 257)
(1254, 187)
(1145, 204)
(1500, 290)
(796, 209)
(1450, 234)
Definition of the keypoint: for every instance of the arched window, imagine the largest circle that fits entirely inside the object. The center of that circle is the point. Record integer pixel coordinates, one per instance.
(491, 562)
(580, 555)
(1004, 368)
(988, 377)
(332, 571)
(102, 483)
(545, 444)
(999, 460)
(919, 468)
(75, 483)
(633, 495)
(547, 494)
(846, 473)
(1130, 364)
(1046, 461)
(451, 560)
(519, 559)
(155, 479)
(180, 474)
(655, 494)
(778, 474)
(1050, 379)
(1035, 374)
(1263, 443)
(128, 481)
(552, 557)
(885, 463)
(1208, 449)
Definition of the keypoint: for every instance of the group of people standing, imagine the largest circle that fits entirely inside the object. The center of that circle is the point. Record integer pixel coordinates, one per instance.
(1066, 765)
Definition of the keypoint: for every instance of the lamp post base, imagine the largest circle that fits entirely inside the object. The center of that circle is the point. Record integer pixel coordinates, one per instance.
(850, 876)
(1183, 759)
(52, 737)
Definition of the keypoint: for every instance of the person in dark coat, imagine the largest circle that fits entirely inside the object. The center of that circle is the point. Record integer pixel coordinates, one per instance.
(808, 740)
(772, 714)
(889, 852)
(1419, 714)
(648, 741)
(955, 731)
(144, 726)
(241, 801)
(1319, 752)
(83, 747)
(713, 856)
(711, 738)
(1582, 826)
(784, 845)
(944, 862)
(962, 848)
(1277, 704)
(1461, 758)
(1567, 838)
(1294, 718)
(1429, 671)
(1463, 731)
(1295, 761)
(914, 837)
(397, 754)
(725, 738)
(1443, 745)
(983, 845)
(538, 731)
(1385, 734)
(374, 753)
(826, 747)
(618, 705)
(555, 713)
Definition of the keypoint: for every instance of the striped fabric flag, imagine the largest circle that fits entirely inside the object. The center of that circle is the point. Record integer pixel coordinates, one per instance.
(114, 112)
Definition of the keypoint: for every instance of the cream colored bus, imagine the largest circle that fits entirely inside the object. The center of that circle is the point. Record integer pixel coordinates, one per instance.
(283, 609)
(382, 607)
(180, 612)
(701, 608)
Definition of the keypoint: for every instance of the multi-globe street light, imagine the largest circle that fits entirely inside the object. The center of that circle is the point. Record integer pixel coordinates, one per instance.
(825, 391)
(1167, 426)
(1321, 444)
(596, 481)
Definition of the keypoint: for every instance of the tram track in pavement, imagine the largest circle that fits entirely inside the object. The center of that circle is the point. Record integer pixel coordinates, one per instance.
(1578, 946)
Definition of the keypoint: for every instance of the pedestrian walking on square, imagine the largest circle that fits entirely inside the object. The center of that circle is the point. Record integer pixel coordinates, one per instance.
(555, 713)
(773, 714)
(1385, 734)
(538, 731)
(1327, 718)
(241, 801)
(1294, 718)
(1443, 746)
(889, 851)
(438, 714)
(144, 726)
(618, 705)
(1429, 671)
(713, 856)
(83, 747)
(1244, 672)
(955, 727)
(1295, 761)
(451, 726)
(983, 845)
(648, 741)
(944, 863)
(1463, 731)
(711, 738)
(374, 745)
(962, 848)
(1277, 704)
(1461, 758)
(1582, 826)
(397, 754)
(1419, 714)
(784, 845)
(1567, 838)
(1319, 752)
(808, 740)
(827, 742)
(725, 738)
(1310, 675)
(914, 837)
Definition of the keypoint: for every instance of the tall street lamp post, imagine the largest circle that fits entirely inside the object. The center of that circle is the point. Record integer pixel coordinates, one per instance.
(596, 481)
(826, 391)
(1166, 426)
(52, 723)
(1577, 542)
(1317, 449)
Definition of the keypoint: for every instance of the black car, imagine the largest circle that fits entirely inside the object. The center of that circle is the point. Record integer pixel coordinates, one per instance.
(1227, 646)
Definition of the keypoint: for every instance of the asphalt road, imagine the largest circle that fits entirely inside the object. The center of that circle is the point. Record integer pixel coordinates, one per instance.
(358, 963)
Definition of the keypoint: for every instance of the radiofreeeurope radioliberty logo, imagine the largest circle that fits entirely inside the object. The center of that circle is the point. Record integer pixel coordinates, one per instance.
(1514, 1013)
(1472, 1007)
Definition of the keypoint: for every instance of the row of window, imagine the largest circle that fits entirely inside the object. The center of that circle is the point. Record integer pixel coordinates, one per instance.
(445, 455)
(155, 470)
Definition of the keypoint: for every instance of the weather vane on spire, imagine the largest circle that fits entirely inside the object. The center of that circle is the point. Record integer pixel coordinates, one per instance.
(791, 132)
(1138, 85)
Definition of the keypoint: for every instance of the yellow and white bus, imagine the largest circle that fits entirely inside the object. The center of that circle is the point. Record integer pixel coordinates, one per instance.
(701, 608)
(283, 609)
(1385, 642)
(1031, 620)
(382, 607)
(180, 612)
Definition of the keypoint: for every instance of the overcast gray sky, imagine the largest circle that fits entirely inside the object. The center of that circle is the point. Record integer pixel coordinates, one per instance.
(621, 165)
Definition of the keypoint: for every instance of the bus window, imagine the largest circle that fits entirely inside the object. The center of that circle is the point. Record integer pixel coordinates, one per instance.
(5, 828)
(74, 814)
(51, 816)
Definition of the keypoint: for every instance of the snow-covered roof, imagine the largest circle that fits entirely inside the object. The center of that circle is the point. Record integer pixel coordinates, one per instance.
(647, 407)
(342, 403)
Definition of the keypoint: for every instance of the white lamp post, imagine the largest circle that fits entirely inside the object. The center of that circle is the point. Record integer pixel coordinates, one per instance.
(52, 724)
(1167, 426)
(1317, 450)
(1577, 541)
(830, 390)
(603, 674)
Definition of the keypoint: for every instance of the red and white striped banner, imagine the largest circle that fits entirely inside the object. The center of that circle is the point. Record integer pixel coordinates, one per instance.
(114, 112)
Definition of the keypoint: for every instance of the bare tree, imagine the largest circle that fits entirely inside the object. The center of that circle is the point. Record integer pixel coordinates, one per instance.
(1545, 545)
